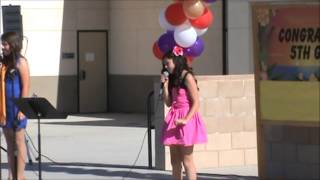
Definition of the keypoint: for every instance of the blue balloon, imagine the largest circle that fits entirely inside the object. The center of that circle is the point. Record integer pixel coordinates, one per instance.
(196, 49)
(166, 42)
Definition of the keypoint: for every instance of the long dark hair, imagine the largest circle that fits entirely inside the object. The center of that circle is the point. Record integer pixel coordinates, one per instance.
(181, 64)
(14, 41)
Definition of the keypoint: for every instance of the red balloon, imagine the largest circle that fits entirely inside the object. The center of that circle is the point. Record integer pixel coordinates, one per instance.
(203, 21)
(156, 51)
(174, 14)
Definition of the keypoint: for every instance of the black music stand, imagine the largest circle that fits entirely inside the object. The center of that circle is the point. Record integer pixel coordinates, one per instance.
(38, 108)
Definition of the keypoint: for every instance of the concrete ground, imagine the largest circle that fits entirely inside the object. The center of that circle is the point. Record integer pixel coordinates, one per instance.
(102, 146)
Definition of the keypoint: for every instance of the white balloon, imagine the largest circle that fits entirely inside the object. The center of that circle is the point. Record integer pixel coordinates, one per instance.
(185, 35)
(200, 32)
(164, 23)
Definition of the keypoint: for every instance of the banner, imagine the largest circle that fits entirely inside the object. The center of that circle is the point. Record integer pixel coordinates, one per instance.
(287, 58)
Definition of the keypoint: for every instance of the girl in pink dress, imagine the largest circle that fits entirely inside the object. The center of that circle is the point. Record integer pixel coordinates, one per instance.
(183, 126)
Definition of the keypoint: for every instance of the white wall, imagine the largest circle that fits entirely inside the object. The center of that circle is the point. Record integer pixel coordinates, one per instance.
(239, 37)
(133, 29)
(50, 28)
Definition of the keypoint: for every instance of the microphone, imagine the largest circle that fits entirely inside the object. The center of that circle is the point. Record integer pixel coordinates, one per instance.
(166, 74)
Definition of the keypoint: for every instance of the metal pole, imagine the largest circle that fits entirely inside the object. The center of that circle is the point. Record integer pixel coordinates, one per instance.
(149, 129)
(225, 37)
(39, 147)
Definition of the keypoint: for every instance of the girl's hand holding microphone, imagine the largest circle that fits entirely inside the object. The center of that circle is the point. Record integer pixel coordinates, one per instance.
(164, 78)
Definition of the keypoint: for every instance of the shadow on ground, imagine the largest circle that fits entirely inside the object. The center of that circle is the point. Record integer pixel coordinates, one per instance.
(115, 120)
(113, 123)
(119, 171)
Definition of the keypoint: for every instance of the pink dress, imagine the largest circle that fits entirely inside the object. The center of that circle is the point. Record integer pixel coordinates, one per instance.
(194, 132)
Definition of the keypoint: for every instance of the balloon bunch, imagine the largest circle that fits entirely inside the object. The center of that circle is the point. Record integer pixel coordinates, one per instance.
(184, 21)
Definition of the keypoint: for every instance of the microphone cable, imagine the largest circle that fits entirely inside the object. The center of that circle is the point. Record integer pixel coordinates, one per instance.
(42, 155)
(142, 143)
(137, 158)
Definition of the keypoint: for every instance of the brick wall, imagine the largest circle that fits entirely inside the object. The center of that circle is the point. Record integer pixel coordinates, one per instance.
(228, 108)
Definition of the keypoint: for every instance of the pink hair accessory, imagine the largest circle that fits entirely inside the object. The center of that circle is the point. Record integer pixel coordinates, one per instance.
(177, 51)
